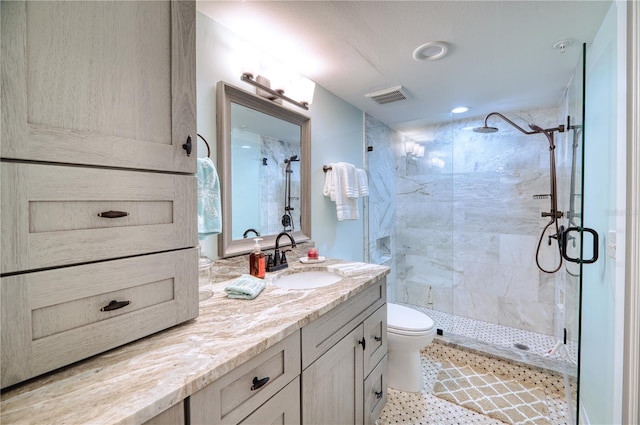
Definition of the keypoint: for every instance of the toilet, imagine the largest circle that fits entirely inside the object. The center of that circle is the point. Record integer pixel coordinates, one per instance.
(408, 331)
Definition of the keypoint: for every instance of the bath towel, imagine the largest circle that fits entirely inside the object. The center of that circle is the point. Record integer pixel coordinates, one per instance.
(209, 212)
(335, 189)
(363, 182)
(349, 180)
(246, 287)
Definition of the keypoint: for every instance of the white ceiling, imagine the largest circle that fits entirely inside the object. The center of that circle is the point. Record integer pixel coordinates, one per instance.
(501, 54)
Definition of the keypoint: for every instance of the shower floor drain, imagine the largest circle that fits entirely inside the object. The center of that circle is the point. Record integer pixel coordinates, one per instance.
(521, 346)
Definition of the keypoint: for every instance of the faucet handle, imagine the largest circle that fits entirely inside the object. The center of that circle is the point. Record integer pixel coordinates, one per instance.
(270, 262)
(283, 258)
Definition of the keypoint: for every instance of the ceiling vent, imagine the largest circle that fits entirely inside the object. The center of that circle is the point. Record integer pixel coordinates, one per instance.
(389, 95)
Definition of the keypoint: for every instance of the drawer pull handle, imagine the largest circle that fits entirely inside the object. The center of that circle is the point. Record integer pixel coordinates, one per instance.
(378, 395)
(363, 342)
(114, 305)
(113, 214)
(258, 383)
(377, 338)
(187, 146)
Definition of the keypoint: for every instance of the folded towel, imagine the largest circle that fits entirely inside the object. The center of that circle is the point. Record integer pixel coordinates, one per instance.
(209, 211)
(245, 287)
(335, 189)
(329, 189)
(349, 180)
(363, 182)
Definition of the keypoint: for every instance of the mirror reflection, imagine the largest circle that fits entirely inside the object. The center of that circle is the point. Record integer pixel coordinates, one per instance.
(264, 167)
(266, 150)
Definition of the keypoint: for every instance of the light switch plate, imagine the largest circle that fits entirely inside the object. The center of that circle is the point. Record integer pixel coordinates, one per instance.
(611, 243)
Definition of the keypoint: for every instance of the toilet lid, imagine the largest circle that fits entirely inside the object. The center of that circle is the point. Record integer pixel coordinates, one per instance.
(407, 319)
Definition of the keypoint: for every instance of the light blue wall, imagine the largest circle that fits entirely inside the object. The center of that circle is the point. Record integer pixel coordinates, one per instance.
(599, 303)
(336, 135)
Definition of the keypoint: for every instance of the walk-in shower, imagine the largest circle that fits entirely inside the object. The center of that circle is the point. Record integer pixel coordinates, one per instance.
(553, 214)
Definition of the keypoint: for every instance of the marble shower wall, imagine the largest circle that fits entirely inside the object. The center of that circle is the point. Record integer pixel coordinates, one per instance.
(467, 225)
(380, 206)
(272, 184)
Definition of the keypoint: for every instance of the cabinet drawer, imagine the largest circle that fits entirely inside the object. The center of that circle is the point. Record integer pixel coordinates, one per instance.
(324, 332)
(283, 408)
(375, 392)
(50, 214)
(56, 317)
(375, 333)
(232, 397)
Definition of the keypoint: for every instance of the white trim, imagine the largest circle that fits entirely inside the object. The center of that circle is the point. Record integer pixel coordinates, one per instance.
(620, 177)
(631, 382)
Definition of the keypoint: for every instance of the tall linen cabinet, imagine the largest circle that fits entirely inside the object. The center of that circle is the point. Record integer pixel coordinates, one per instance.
(97, 178)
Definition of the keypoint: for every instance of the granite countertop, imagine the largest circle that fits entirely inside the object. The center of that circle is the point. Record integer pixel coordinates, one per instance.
(133, 383)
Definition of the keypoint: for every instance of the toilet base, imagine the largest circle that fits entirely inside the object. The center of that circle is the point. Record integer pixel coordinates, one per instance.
(404, 370)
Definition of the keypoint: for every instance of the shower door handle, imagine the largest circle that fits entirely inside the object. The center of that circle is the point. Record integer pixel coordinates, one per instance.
(565, 239)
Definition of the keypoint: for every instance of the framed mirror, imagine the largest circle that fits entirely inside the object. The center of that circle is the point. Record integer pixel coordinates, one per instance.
(264, 166)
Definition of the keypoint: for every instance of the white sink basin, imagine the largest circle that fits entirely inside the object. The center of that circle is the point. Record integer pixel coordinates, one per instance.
(307, 280)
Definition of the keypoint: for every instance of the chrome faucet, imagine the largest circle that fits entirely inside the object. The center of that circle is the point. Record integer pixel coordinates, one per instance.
(279, 261)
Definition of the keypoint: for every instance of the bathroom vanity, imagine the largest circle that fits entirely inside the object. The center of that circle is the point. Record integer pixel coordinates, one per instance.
(323, 351)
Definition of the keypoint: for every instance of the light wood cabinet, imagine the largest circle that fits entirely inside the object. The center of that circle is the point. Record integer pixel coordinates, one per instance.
(174, 415)
(99, 83)
(96, 96)
(230, 399)
(46, 207)
(346, 382)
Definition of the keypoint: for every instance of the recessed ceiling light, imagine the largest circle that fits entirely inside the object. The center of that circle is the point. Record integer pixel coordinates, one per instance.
(431, 51)
(459, 110)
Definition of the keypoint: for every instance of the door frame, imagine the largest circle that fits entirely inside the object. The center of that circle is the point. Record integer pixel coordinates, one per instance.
(631, 361)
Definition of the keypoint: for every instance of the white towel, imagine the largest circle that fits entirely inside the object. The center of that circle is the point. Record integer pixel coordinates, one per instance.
(335, 189)
(363, 183)
(330, 183)
(349, 180)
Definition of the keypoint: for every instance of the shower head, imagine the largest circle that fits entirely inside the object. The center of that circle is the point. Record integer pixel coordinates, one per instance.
(485, 129)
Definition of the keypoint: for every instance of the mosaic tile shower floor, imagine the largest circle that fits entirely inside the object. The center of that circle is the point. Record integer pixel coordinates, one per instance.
(540, 395)
(498, 335)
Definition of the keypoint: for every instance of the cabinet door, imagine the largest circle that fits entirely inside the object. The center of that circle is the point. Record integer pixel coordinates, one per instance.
(172, 416)
(332, 387)
(100, 83)
(375, 334)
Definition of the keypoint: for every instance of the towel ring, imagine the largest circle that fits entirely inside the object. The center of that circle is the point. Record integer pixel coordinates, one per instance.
(326, 168)
(206, 143)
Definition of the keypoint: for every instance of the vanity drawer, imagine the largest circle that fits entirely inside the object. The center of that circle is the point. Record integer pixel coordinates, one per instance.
(328, 329)
(50, 214)
(375, 392)
(56, 317)
(231, 398)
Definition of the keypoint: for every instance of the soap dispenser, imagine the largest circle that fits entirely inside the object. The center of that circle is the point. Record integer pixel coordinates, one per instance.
(257, 261)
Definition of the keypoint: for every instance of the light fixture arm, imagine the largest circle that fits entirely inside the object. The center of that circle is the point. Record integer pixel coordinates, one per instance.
(248, 78)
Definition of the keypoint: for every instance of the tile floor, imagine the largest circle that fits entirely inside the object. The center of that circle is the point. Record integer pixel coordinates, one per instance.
(433, 407)
(488, 348)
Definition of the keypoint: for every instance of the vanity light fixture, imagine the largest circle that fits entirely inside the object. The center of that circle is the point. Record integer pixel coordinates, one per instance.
(248, 78)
